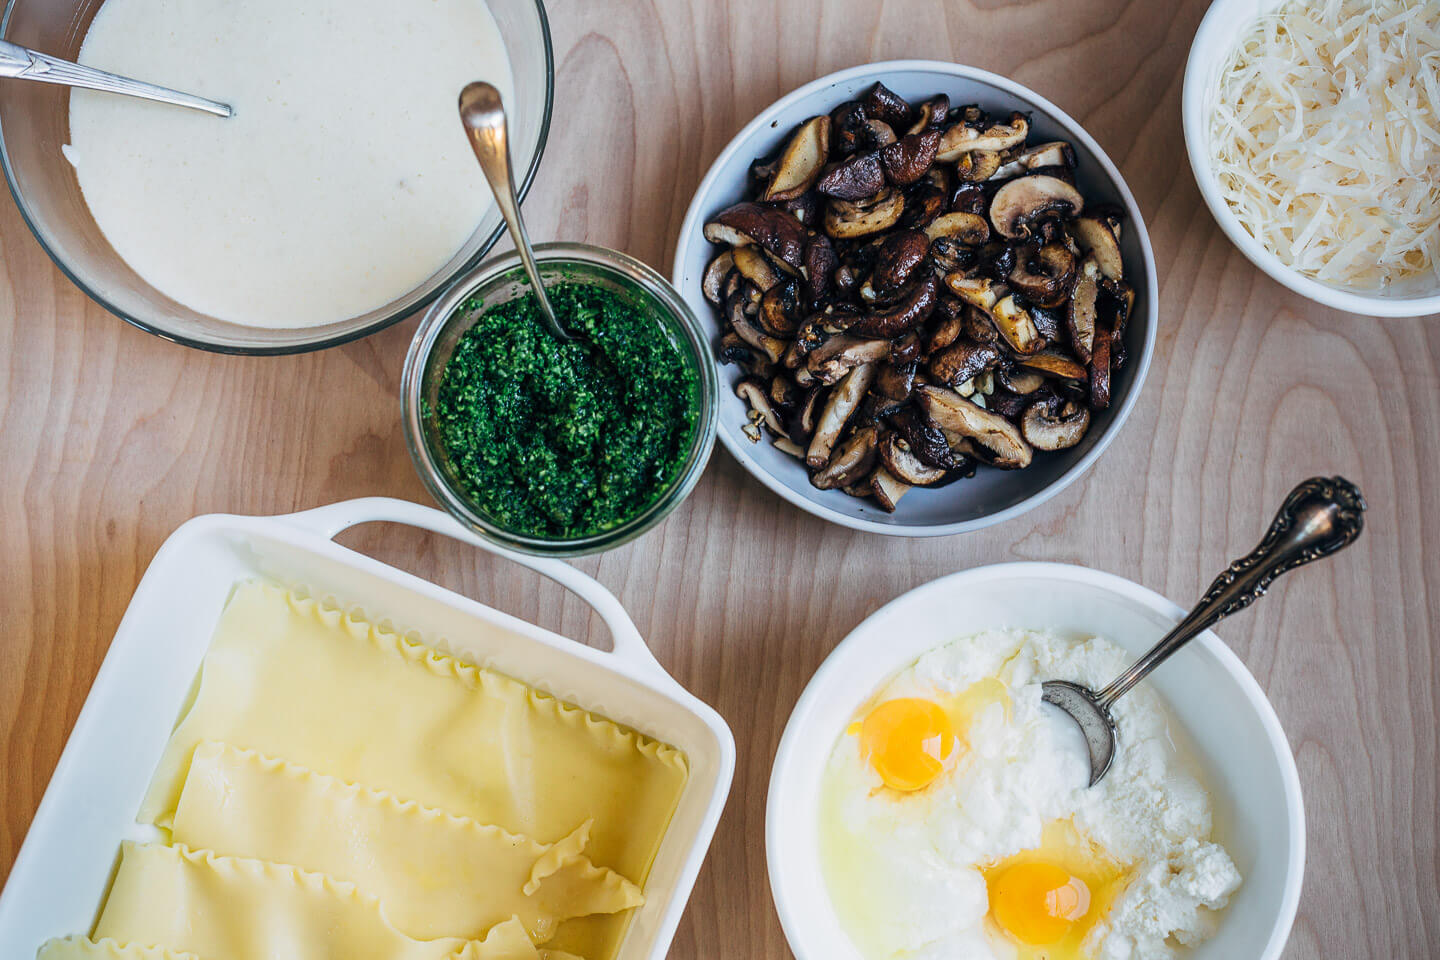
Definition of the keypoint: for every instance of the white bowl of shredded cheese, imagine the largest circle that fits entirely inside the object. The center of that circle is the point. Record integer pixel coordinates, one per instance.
(1313, 129)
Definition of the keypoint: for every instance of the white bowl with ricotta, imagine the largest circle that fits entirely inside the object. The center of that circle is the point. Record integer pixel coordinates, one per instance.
(1224, 729)
(1219, 33)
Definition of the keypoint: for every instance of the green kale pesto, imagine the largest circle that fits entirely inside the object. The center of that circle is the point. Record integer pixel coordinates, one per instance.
(560, 441)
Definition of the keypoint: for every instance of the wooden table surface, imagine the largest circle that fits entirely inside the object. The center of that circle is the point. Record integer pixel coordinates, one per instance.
(110, 438)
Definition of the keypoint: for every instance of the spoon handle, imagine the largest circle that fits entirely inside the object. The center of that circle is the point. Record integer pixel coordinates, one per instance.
(483, 114)
(23, 63)
(1320, 516)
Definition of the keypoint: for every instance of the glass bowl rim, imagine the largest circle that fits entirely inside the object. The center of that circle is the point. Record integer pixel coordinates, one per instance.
(662, 295)
(310, 345)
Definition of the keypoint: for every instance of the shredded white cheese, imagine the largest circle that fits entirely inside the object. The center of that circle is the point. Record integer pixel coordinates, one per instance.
(1326, 138)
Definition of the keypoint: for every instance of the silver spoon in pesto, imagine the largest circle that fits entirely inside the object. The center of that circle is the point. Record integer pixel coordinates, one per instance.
(483, 115)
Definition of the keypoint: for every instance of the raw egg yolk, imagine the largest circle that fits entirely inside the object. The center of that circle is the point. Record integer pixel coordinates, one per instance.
(1036, 903)
(907, 741)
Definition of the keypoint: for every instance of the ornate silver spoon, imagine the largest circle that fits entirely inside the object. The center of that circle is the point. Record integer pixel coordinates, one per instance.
(22, 63)
(483, 115)
(1319, 517)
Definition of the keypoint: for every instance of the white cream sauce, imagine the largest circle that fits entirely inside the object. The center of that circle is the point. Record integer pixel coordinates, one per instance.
(344, 179)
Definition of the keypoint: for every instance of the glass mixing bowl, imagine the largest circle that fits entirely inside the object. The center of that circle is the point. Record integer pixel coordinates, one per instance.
(35, 123)
(500, 280)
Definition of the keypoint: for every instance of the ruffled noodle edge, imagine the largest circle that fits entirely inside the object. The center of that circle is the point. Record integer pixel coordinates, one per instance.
(305, 880)
(420, 654)
(549, 857)
(83, 948)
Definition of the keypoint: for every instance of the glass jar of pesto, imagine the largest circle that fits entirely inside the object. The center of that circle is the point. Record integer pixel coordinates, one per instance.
(560, 449)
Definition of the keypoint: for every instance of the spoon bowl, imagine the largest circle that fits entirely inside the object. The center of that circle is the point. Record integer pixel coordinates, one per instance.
(1320, 516)
(482, 112)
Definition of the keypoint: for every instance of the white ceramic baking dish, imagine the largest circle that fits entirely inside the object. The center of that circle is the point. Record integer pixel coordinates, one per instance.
(1232, 733)
(65, 865)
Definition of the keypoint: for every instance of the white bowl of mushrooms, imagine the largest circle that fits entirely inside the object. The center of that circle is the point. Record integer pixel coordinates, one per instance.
(930, 293)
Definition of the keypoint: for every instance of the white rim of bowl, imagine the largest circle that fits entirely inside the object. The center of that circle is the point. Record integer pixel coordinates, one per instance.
(694, 219)
(791, 741)
(1208, 47)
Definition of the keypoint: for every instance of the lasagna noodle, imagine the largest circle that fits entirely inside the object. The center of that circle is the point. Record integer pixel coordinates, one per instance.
(236, 908)
(290, 678)
(437, 875)
(82, 948)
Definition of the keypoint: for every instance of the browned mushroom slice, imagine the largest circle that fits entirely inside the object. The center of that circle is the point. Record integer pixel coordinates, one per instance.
(977, 166)
(806, 415)
(897, 258)
(877, 135)
(790, 447)
(740, 307)
(1095, 237)
(1100, 369)
(886, 489)
(1049, 321)
(978, 325)
(779, 307)
(1047, 428)
(907, 313)
(839, 355)
(947, 324)
(1020, 381)
(1016, 325)
(949, 255)
(923, 203)
(1006, 447)
(963, 137)
(859, 177)
(902, 462)
(734, 350)
(910, 158)
(981, 292)
(783, 391)
(968, 198)
(895, 380)
(878, 407)
(762, 411)
(1045, 275)
(1054, 364)
(1056, 153)
(927, 441)
(843, 401)
(1080, 315)
(962, 361)
(906, 347)
(847, 126)
(801, 162)
(1009, 405)
(714, 280)
(845, 219)
(931, 114)
(808, 208)
(967, 228)
(772, 228)
(882, 103)
(756, 267)
(1122, 304)
(854, 459)
(820, 264)
(1026, 200)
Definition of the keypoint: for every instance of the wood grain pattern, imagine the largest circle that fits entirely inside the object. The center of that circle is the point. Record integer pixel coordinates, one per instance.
(110, 438)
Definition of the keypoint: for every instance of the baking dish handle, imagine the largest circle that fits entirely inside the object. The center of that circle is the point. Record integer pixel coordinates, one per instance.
(329, 521)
